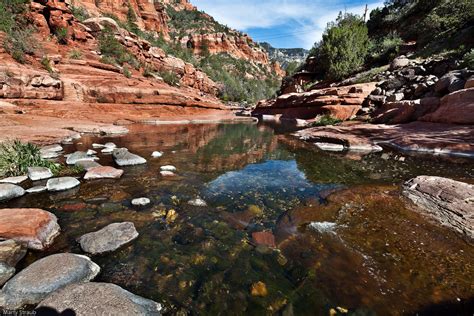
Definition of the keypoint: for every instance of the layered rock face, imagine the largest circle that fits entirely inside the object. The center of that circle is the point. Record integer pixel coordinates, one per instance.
(339, 102)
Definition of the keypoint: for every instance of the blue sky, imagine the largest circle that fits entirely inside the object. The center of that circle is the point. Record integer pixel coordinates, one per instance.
(283, 23)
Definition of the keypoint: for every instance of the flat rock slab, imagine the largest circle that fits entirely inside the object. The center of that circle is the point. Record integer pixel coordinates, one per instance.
(449, 202)
(87, 164)
(14, 180)
(10, 191)
(37, 189)
(35, 227)
(52, 148)
(43, 277)
(141, 201)
(125, 158)
(79, 156)
(103, 173)
(99, 299)
(39, 173)
(62, 184)
(109, 238)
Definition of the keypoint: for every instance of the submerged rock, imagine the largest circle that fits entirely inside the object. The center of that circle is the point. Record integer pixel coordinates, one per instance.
(322, 227)
(62, 184)
(79, 156)
(87, 164)
(264, 239)
(449, 202)
(141, 201)
(39, 173)
(10, 191)
(125, 158)
(197, 202)
(109, 238)
(99, 299)
(44, 277)
(329, 146)
(103, 173)
(35, 227)
(14, 180)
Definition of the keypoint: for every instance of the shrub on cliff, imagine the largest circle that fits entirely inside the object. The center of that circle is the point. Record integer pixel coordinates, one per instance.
(17, 27)
(16, 157)
(385, 49)
(112, 51)
(343, 48)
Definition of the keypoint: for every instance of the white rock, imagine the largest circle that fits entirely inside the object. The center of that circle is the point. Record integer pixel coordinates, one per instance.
(37, 189)
(39, 173)
(168, 168)
(123, 157)
(107, 150)
(62, 184)
(322, 227)
(10, 191)
(110, 145)
(197, 202)
(97, 146)
(79, 156)
(14, 180)
(141, 201)
(52, 148)
(157, 154)
(330, 146)
(91, 152)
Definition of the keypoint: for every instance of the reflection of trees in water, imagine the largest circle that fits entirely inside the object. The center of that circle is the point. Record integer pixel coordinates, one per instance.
(237, 146)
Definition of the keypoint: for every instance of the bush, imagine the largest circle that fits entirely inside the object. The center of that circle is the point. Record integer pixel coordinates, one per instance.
(343, 48)
(75, 54)
(169, 77)
(468, 59)
(46, 63)
(61, 35)
(326, 120)
(385, 49)
(18, 29)
(112, 51)
(16, 157)
(126, 72)
(79, 13)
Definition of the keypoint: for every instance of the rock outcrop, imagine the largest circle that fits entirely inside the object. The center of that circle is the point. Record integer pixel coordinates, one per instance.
(35, 227)
(339, 102)
(99, 299)
(43, 277)
(103, 173)
(449, 202)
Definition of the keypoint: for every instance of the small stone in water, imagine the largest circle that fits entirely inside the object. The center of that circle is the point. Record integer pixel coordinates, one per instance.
(110, 145)
(141, 201)
(37, 189)
(168, 168)
(97, 146)
(91, 152)
(259, 289)
(14, 180)
(167, 174)
(197, 202)
(157, 154)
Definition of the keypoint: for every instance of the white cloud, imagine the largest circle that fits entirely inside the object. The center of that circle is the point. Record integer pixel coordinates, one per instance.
(310, 17)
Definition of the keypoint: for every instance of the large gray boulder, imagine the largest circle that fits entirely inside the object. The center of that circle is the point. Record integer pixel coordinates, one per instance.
(62, 184)
(45, 276)
(125, 158)
(87, 299)
(449, 202)
(109, 238)
(10, 191)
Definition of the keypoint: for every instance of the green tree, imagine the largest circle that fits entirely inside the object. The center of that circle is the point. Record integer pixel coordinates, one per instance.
(343, 48)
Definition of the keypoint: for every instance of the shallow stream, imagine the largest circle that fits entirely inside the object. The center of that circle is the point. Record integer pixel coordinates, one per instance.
(366, 250)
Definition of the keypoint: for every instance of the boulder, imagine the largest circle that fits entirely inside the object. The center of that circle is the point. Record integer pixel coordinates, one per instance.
(449, 202)
(450, 82)
(399, 62)
(99, 299)
(39, 173)
(125, 158)
(14, 180)
(109, 238)
(455, 108)
(469, 83)
(167, 173)
(35, 227)
(87, 164)
(62, 184)
(103, 173)
(10, 191)
(45, 276)
(79, 156)
(11, 252)
(6, 272)
(98, 24)
(405, 111)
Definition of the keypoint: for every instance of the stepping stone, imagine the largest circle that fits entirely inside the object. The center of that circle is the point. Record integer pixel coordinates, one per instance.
(87, 164)
(99, 299)
(157, 154)
(107, 150)
(52, 148)
(103, 173)
(49, 155)
(109, 238)
(14, 180)
(125, 158)
(39, 173)
(45, 276)
(37, 189)
(79, 156)
(110, 145)
(35, 227)
(141, 201)
(10, 191)
(97, 146)
(62, 184)
(168, 168)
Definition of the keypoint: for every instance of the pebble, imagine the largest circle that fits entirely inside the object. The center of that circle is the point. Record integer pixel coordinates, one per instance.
(167, 174)
(197, 202)
(168, 168)
(157, 154)
(141, 201)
